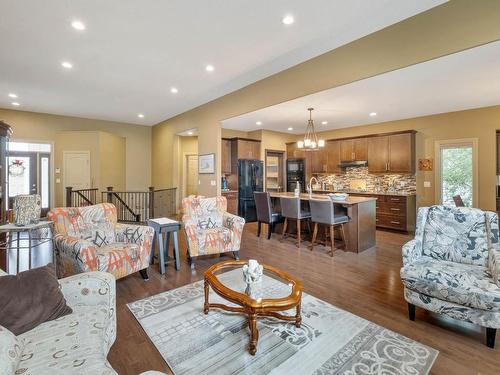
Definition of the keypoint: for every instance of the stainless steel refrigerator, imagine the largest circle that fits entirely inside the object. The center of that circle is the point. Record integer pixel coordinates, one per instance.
(250, 179)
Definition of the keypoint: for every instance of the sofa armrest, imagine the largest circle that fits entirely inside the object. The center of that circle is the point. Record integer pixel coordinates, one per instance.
(411, 252)
(235, 224)
(93, 289)
(82, 251)
(141, 235)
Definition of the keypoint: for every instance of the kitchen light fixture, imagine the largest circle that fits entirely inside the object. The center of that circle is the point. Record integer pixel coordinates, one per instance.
(78, 25)
(258, 123)
(15, 104)
(324, 122)
(288, 19)
(174, 90)
(209, 68)
(373, 114)
(290, 129)
(66, 64)
(12, 95)
(311, 141)
(140, 115)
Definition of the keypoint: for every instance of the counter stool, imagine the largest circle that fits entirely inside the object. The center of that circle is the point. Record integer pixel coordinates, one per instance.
(330, 215)
(290, 209)
(265, 213)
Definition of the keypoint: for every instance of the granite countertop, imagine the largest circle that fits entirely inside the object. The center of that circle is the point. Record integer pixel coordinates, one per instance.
(398, 194)
(228, 191)
(351, 200)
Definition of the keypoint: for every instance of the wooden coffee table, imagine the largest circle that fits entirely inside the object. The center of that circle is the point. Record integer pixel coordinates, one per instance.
(254, 305)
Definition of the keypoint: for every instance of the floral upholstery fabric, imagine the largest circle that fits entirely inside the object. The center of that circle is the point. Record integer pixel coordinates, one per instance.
(10, 351)
(209, 228)
(77, 343)
(89, 239)
(451, 266)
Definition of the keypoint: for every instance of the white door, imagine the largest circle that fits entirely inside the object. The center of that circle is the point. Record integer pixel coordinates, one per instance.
(191, 175)
(76, 169)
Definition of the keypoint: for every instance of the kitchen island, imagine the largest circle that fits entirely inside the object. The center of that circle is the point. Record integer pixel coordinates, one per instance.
(360, 230)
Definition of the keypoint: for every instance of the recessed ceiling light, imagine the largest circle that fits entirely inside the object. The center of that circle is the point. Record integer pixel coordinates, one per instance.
(16, 104)
(190, 133)
(209, 68)
(66, 64)
(258, 123)
(140, 115)
(373, 114)
(324, 122)
(78, 25)
(288, 19)
(174, 90)
(290, 128)
(12, 95)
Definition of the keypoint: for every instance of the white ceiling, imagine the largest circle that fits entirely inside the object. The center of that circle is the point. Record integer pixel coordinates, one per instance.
(464, 80)
(132, 52)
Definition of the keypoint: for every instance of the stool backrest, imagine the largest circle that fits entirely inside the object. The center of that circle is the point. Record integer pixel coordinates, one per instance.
(263, 206)
(325, 212)
(290, 207)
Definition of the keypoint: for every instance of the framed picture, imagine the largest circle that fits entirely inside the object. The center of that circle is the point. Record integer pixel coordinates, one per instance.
(206, 164)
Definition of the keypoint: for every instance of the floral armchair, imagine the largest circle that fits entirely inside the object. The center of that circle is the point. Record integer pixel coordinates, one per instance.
(452, 266)
(209, 228)
(90, 239)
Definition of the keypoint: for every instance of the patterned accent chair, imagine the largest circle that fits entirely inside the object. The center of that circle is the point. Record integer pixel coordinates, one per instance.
(209, 228)
(90, 239)
(452, 266)
(77, 343)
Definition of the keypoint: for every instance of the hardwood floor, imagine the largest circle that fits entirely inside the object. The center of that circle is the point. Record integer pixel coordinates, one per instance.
(367, 285)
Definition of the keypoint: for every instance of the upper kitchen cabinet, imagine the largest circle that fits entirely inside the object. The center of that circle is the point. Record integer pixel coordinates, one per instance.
(226, 156)
(246, 148)
(333, 156)
(293, 152)
(402, 153)
(354, 149)
(392, 153)
(319, 160)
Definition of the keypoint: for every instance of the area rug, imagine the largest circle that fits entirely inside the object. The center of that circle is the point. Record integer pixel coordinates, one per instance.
(330, 340)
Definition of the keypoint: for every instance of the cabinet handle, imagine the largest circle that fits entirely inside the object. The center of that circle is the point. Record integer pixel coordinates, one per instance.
(386, 166)
(395, 199)
(395, 222)
(353, 156)
(395, 209)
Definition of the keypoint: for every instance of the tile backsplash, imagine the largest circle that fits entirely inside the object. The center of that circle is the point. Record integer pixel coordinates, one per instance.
(359, 177)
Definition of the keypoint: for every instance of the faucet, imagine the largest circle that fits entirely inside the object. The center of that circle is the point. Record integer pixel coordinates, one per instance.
(309, 187)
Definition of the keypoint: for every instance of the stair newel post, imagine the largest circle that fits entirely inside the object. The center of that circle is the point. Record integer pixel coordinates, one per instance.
(69, 201)
(109, 195)
(151, 202)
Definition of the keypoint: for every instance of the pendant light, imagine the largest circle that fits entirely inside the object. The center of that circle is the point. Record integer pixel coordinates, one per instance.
(311, 141)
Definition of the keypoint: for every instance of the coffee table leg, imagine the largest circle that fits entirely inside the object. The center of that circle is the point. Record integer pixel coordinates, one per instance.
(254, 333)
(205, 306)
(298, 316)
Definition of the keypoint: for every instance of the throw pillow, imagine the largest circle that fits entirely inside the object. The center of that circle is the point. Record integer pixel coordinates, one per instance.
(10, 351)
(31, 298)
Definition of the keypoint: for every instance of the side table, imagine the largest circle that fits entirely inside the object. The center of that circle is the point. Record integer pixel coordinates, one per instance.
(35, 238)
(167, 226)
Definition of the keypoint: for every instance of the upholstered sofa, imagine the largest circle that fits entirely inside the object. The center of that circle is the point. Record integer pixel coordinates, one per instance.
(90, 239)
(77, 343)
(209, 228)
(452, 266)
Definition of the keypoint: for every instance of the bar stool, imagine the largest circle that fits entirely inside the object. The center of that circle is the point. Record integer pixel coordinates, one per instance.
(290, 209)
(326, 213)
(265, 213)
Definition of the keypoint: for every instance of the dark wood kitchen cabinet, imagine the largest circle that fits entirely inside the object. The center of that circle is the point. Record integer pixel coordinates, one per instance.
(354, 149)
(378, 154)
(319, 160)
(226, 156)
(393, 153)
(333, 156)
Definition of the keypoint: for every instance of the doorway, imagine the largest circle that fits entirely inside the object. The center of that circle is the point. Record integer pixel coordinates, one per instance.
(456, 172)
(29, 172)
(191, 175)
(76, 170)
(274, 170)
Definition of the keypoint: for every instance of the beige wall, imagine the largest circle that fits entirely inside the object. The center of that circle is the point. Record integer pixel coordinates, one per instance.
(480, 123)
(45, 127)
(429, 35)
(113, 161)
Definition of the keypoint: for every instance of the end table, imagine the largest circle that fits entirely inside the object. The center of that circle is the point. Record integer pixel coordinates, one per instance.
(167, 226)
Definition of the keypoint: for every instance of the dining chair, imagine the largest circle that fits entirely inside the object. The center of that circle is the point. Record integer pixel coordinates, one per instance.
(325, 212)
(291, 209)
(265, 213)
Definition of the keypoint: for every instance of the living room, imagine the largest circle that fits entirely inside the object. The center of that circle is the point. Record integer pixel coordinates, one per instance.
(187, 193)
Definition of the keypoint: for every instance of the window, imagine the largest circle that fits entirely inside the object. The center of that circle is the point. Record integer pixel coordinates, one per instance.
(456, 171)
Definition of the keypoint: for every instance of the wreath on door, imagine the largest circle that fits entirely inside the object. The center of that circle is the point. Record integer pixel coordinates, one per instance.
(16, 168)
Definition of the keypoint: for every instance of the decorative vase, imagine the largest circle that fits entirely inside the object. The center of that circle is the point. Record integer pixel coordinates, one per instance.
(27, 209)
(252, 272)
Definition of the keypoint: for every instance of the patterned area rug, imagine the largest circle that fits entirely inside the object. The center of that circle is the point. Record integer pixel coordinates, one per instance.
(330, 340)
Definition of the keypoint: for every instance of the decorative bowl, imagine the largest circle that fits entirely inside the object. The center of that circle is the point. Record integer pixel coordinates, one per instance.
(338, 196)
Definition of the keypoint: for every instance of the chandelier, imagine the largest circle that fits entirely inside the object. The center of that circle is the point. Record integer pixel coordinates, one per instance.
(311, 141)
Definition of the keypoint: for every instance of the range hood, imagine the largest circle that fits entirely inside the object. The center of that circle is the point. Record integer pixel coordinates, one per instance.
(356, 163)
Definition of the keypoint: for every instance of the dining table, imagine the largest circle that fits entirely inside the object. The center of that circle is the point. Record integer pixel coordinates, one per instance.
(360, 231)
